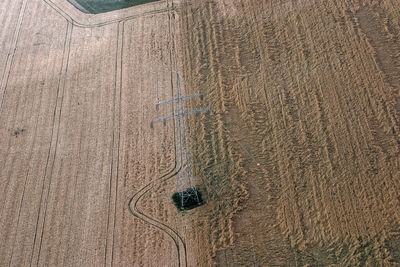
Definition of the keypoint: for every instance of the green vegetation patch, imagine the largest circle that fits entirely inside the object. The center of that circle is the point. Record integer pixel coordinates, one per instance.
(188, 199)
(102, 6)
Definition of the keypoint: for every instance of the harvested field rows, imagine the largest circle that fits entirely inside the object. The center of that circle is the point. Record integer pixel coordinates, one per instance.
(310, 90)
(76, 143)
(307, 89)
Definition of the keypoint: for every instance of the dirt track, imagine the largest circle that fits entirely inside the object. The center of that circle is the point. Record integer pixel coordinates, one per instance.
(308, 89)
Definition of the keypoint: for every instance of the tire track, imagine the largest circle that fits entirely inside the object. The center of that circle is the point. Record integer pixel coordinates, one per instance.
(115, 141)
(135, 199)
(177, 239)
(54, 134)
(27, 175)
(83, 25)
(11, 54)
(4, 83)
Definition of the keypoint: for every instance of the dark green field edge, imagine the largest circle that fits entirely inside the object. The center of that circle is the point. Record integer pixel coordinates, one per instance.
(102, 6)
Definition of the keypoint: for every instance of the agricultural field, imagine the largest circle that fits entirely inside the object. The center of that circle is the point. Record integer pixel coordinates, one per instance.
(310, 90)
(296, 155)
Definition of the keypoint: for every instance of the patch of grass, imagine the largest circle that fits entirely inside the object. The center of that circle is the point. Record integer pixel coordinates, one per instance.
(102, 6)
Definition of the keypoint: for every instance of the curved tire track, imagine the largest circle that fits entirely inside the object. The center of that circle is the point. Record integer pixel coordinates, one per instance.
(172, 233)
(133, 202)
(135, 199)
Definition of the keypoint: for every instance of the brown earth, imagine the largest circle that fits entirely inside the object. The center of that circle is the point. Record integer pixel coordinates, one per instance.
(308, 89)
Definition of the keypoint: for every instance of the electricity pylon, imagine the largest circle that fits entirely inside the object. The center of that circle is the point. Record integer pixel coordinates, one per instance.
(185, 183)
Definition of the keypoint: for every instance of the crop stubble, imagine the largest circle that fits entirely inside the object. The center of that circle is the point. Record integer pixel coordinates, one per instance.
(310, 90)
(75, 138)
